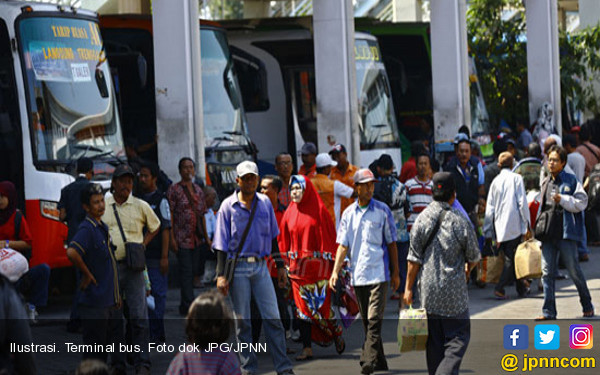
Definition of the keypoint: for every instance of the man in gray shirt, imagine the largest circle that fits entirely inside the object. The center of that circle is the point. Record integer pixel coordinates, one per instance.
(443, 244)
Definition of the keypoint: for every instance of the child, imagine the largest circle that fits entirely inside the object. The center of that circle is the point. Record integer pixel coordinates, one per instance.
(208, 321)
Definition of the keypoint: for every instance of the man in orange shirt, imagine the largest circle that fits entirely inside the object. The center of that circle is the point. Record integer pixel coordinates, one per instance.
(343, 172)
(331, 192)
(309, 153)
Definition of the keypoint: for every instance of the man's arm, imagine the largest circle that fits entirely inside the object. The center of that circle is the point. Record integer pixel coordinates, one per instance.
(395, 273)
(411, 276)
(164, 255)
(78, 262)
(20, 246)
(63, 214)
(149, 236)
(339, 261)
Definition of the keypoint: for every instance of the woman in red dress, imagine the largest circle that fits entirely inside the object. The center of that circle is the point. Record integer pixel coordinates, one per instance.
(308, 237)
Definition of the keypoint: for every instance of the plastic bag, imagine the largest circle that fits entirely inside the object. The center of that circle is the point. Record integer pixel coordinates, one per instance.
(13, 264)
(412, 330)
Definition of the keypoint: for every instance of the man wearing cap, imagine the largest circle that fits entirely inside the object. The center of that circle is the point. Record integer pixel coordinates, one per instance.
(443, 246)
(251, 279)
(367, 234)
(331, 192)
(309, 154)
(72, 212)
(343, 171)
(507, 221)
(137, 218)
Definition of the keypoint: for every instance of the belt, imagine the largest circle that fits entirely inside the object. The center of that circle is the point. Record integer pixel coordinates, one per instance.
(250, 259)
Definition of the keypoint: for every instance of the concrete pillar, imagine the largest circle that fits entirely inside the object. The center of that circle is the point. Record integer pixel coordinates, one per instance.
(543, 67)
(407, 11)
(178, 84)
(589, 13)
(335, 75)
(256, 8)
(450, 68)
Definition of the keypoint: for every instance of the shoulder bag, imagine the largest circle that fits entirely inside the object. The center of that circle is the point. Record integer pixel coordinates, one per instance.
(547, 225)
(135, 253)
(232, 262)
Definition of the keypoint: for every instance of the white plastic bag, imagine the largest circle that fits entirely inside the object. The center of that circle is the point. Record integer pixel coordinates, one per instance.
(13, 264)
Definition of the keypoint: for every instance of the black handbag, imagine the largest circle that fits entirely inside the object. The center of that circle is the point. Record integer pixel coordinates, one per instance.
(232, 262)
(547, 226)
(135, 253)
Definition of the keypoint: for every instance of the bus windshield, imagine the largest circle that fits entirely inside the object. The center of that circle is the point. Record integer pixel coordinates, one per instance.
(224, 123)
(377, 121)
(70, 95)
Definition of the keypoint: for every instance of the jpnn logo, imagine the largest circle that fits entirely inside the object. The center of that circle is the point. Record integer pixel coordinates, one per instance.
(516, 336)
(581, 336)
(547, 337)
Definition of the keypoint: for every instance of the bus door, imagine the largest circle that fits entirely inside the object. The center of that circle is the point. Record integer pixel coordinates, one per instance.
(303, 115)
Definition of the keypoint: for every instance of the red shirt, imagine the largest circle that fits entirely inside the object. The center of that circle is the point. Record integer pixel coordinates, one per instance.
(7, 231)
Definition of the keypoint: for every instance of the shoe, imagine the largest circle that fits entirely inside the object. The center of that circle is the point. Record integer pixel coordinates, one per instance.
(381, 367)
(287, 372)
(480, 284)
(588, 314)
(305, 355)
(142, 371)
(395, 296)
(289, 351)
(584, 258)
(367, 369)
(288, 334)
(32, 313)
(561, 276)
(542, 317)
(295, 335)
(500, 296)
(340, 344)
(525, 293)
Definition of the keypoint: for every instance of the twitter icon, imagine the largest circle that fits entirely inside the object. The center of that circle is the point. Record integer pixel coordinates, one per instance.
(547, 336)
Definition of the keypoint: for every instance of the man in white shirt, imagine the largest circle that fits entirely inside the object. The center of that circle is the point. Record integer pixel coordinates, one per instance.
(507, 219)
(574, 159)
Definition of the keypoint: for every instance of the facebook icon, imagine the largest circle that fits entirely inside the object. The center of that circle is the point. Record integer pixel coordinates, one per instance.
(516, 336)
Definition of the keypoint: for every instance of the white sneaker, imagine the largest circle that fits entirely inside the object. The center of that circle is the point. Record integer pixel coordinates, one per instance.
(32, 313)
(288, 335)
(295, 336)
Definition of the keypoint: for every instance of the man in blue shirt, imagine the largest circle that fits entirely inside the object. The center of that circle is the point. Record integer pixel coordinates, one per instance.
(99, 302)
(251, 277)
(367, 231)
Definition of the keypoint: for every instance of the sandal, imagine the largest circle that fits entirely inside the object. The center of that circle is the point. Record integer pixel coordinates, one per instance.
(500, 296)
(542, 317)
(340, 344)
(305, 356)
(588, 314)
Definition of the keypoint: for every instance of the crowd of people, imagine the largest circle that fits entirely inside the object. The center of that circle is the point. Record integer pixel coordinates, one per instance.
(333, 234)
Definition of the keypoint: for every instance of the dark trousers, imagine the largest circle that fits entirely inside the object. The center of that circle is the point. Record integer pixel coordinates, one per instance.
(103, 325)
(187, 259)
(371, 304)
(34, 285)
(508, 273)
(159, 284)
(447, 342)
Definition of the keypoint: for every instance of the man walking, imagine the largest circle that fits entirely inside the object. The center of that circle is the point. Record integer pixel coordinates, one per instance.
(367, 231)
(331, 192)
(419, 189)
(442, 243)
(250, 275)
(157, 252)
(343, 172)
(507, 221)
(127, 217)
(309, 154)
(284, 166)
(186, 200)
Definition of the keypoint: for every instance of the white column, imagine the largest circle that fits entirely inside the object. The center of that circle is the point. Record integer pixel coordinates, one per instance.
(407, 11)
(335, 75)
(178, 84)
(589, 13)
(543, 67)
(450, 68)
(256, 8)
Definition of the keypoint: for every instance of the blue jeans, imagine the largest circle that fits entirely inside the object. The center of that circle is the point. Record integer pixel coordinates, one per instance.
(34, 285)
(159, 283)
(252, 280)
(568, 253)
(133, 291)
(582, 248)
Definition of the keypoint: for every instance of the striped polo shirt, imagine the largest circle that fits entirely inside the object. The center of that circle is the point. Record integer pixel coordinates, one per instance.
(420, 195)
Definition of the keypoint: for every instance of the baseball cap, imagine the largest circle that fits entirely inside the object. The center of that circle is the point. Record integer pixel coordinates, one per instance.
(575, 129)
(443, 181)
(246, 167)
(122, 170)
(308, 148)
(324, 160)
(460, 137)
(338, 148)
(362, 176)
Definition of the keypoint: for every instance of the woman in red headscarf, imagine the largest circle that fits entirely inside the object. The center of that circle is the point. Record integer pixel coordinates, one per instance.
(308, 237)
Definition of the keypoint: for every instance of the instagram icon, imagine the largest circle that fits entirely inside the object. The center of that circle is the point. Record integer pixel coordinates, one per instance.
(581, 336)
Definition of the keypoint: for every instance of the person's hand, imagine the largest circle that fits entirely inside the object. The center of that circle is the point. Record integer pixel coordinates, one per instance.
(333, 280)
(282, 278)
(223, 285)
(164, 266)
(408, 297)
(148, 292)
(87, 280)
(527, 236)
(556, 198)
(174, 246)
(482, 205)
(395, 283)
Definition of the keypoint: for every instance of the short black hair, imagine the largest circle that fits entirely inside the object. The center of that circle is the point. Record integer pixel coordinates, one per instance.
(500, 145)
(275, 181)
(84, 165)
(562, 153)
(283, 153)
(184, 159)
(417, 147)
(152, 167)
(421, 155)
(88, 191)
(465, 130)
(209, 320)
(467, 141)
(569, 139)
(534, 150)
(584, 132)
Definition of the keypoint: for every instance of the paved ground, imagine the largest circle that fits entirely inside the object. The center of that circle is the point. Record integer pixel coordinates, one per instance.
(483, 356)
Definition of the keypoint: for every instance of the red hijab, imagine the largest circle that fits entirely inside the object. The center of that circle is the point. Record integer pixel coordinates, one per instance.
(7, 189)
(307, 227)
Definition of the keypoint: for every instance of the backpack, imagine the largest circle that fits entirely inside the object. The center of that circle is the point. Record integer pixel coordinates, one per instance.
(594, 191)
(384, 190)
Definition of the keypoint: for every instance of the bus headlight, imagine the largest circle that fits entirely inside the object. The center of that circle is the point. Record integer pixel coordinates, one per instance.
(50, 210)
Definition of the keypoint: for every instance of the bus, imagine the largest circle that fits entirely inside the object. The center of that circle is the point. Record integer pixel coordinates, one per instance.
(57, 104)
(276, 69)
(129, 48)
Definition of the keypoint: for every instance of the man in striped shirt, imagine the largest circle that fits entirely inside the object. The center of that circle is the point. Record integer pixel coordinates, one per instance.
(418, 189)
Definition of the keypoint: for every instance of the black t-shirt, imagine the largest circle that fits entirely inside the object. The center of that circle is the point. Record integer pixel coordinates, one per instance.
(158, 203)
(70, 200)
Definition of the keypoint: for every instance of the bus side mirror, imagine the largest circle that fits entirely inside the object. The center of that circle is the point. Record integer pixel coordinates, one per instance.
(101, 83)
(142, 71)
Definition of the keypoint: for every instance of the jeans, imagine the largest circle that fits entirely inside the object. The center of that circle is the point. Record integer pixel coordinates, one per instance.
(582, 248)
(252, 280)
(133, 290)
(187, 260)
(508, 273)
(34, 285)
(447, 343)
(159, 284)
(371, 304)
(103, 325)
(568, 252)
(402, 263)
(282, 305)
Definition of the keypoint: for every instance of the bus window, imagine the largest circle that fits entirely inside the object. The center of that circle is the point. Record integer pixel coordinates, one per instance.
(252, 76)
(305, 103)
